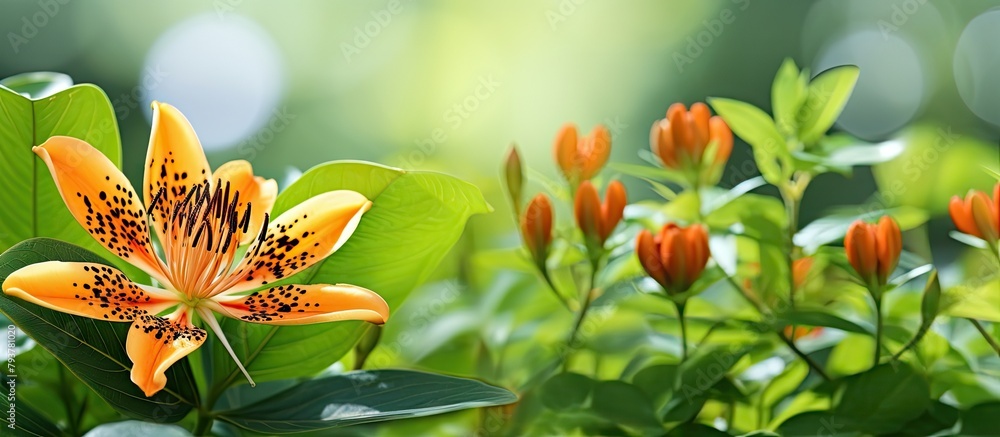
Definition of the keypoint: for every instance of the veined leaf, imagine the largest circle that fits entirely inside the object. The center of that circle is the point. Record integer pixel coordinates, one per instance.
(787, 95)
(35, 208)
(828, 93)
(756, 128)
(415, 219)
(93, 350)
(364, 397)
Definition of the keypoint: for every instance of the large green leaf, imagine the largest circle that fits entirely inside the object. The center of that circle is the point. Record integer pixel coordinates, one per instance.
(981, 420)
(754, 126)
(35, 208)
(93, 350)
(566, 391)
(364, 397)
(788, 92)
(624, 404)
(883, 399)
(415, 219)
(828, 93)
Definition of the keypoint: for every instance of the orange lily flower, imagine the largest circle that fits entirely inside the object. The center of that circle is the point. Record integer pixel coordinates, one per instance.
(681, 140)
(873, 250)
(536, 228)
(200, 219)
(675, 257)
(582, 158)
(978, 215)
(595, 219)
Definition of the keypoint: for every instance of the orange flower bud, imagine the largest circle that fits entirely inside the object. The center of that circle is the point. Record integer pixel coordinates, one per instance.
(873, 250)
(800, 270)
(536, 228)
(675, 257)
(682, 138)
(802, 331)
(514, 177)
(977, 215)
(595, 219)
(582, 158)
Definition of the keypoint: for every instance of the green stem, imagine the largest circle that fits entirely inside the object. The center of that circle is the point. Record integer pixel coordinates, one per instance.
(809, 361)
(913, 341)
(878, 330)
(582, 314)
(986, 335)
(204, 424)
(552, 287)
(792, 214)
(680, 318)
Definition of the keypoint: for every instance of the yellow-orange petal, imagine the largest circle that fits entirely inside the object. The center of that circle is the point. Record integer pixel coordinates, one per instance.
(102, 200)
(86, 289)
(612, 209)
(661, 140)
(565, 150)
(536, 227)
(682, 129)
(697, 252)
(700, 116)
(859, 245)
(649, 258)
(155, 343)
(889, 244)
(259, 192)
(175, 162)
(302, 236)
(595, 152)
(587, 210)
(961, 215)
(305, 304)
(723, 137)
(983, 215)
(673, 247)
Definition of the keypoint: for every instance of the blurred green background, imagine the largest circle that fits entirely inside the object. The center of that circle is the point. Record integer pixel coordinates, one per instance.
(450, 85)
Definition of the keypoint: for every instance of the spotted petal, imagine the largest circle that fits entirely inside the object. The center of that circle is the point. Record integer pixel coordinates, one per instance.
(305, 304)
(86, 289)
(260, 193)
(299, 238)
(174, 163)
(101, 199)
(155, 343)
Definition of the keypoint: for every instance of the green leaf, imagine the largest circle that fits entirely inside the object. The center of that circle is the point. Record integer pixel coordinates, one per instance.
(566, 391)
(980, 420)
(624, 404)
(864, 154)
(695, 430)
(883, 399)
(35, 209)
(137, 428)
(657, 381)
(828, 93)
(415, 219)
(977, 300)
(806, 317)
(698, 375)
(787, 95)
(364, 397)
(817, 423)
(783, 385)
(938, 417)
(756, 128)
(92, 350)
(27, 421)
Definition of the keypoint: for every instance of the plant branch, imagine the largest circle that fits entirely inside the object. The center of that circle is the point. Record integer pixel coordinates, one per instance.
(878, 329)
(680, 317)
(989, 339)
(812, 363)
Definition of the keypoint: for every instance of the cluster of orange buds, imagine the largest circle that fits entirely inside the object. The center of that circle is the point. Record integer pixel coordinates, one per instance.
(536, 228)
(873, 250)
(597, 219)
(581, 158)
(675, 257)
(693, 142)
(978, 215)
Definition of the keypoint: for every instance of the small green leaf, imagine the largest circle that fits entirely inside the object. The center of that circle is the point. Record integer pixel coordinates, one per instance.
(93, 350)
(695, 430)
(828, 93)
(817, 423)
(883, 399)
(864, 154)
(783, 385)
(566, 391)
(38, 84)
(623, 403)
(657, 381)
(787, 95)
(756, 128)
(806, 317)
(364, 397)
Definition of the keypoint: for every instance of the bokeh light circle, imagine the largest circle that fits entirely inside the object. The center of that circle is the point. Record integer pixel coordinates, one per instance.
(977, 61)
(891, 88)
(225, 74)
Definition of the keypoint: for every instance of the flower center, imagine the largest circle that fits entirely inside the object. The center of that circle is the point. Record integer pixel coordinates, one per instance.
(202, 235)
